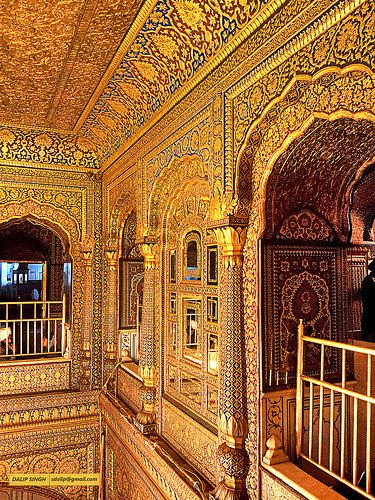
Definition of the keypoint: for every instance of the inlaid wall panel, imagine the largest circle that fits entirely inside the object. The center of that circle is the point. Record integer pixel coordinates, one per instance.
(300, 283)
(126, 480)
(191, 439)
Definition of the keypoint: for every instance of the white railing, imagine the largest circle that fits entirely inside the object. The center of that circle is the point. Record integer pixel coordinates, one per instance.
(32, 329)
(333, 418)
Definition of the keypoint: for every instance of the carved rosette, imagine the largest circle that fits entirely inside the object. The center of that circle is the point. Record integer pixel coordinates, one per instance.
(145, 420)
(232, 412)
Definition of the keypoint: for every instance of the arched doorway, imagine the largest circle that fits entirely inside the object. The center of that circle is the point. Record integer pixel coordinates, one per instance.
(272, 140)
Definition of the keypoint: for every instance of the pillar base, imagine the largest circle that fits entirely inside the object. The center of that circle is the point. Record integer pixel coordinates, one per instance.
(146, 429)
(145, 422)
(223, 492)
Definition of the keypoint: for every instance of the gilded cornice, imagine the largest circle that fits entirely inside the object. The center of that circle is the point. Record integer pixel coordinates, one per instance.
(252, 55)
(43, 419)
(36, 148)
(260, 14)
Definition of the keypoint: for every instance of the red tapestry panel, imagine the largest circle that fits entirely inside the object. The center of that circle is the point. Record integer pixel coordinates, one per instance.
(300, 283)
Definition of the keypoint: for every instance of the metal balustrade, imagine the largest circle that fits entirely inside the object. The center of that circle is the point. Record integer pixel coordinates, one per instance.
(333, 419)
(32, 329)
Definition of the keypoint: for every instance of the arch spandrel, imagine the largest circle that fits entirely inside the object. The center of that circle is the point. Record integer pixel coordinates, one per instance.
(124, 204)
(178, 172)
(58, 220)
(329, 95)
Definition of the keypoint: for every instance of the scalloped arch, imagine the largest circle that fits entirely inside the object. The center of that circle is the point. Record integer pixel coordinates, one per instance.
(283, 120)
(56, 219)
(178, 172)
(124, 205)
(286, 118)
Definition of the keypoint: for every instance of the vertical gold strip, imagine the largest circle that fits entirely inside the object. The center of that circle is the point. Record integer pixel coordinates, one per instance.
(343, 415)
(63, 332)
(311, 407)
(368, 428)
(321, 406)
(299, 395)
(355, 440)
(331, 419)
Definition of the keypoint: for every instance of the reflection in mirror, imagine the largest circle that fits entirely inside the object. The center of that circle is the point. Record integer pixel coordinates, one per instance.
(212, 354)
(191, 387)
(192, 348)
(212, 265)
(212, 309)
(173, 339)
(172, 380)
(192, 257)
(173, 303)
(212, 400)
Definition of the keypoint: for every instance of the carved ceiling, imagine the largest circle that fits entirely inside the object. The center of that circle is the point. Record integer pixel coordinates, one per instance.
(317, 170)
(98, 70)
(363, 209)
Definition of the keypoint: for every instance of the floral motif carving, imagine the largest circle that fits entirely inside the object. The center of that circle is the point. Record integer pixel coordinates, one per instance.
(19, 146)
(176, 41)
(305, 226)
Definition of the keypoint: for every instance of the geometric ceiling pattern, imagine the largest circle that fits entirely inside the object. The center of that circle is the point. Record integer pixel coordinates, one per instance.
(69, 71)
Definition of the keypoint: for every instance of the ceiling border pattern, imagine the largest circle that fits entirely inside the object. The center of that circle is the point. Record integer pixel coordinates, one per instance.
(129, 137)
(18, 147)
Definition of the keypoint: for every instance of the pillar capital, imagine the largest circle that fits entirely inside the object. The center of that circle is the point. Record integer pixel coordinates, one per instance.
(230, 233)
(111, 256)
(148, 250)
(86, 249)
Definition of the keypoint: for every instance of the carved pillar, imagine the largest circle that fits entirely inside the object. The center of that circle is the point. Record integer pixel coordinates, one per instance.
(86, 252)
(232, 410)
(145, 420)
(110, 325)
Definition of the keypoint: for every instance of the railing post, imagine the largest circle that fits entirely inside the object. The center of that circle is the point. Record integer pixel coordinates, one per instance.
(299, 388)
(63, 332)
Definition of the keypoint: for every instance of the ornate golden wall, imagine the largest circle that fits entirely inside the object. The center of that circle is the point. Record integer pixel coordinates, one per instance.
(293, 69)
(301, 61)
(68, 203)
(58, 433)
(57, 430)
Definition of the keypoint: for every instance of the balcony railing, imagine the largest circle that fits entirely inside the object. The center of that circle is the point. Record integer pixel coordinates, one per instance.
(32, 329)
(333, 417)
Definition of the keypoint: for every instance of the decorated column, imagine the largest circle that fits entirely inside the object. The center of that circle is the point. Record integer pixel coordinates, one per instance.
(232, 409)
(86, 252)
(145, 420)
(110, 321)
(110, 347)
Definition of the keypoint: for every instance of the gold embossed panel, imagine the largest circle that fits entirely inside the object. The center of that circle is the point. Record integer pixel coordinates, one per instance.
(16, 378)
(55, 54)
(63, 450)
(191, 439)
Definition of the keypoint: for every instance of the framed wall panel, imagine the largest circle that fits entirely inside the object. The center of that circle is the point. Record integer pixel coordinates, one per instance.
(131, 291)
